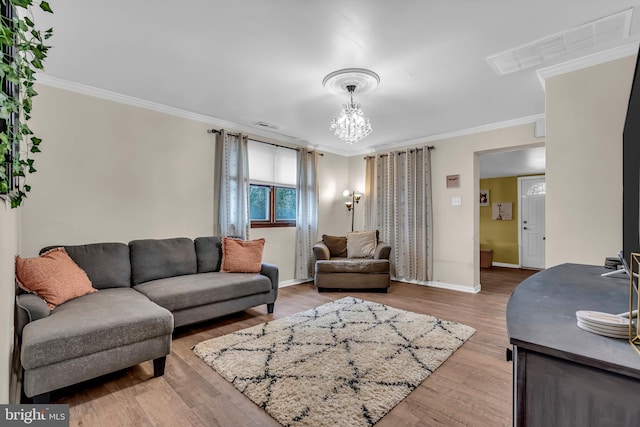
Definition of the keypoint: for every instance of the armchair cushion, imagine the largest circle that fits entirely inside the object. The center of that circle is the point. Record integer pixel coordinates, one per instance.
(337, 245)
(362, 266)
(361, 244)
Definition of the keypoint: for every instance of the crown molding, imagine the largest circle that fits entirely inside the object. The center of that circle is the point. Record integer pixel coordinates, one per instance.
(612, 54)
(47, 80)
(83, 89)
(141, 103)
(438, 137)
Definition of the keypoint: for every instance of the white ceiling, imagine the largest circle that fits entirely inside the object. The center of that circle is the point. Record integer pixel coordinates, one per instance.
(245, 61)
(531, 161)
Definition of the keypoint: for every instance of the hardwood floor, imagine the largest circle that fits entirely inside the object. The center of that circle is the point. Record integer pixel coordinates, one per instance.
(472, 388)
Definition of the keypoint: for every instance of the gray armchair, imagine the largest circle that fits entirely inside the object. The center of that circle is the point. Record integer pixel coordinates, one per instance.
(365, 269)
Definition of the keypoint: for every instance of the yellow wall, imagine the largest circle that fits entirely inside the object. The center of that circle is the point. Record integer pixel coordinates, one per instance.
(501, 236)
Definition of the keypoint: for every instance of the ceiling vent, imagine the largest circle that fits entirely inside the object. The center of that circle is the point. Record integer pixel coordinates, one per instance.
(594, 34)
(266, 125)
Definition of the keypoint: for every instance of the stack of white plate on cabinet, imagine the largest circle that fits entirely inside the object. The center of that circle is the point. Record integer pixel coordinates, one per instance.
(609, 325)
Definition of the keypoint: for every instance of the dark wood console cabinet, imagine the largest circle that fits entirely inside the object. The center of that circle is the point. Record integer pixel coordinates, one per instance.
(563, 375)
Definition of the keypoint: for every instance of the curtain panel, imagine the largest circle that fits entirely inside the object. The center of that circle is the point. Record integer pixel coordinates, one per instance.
(231, 186)
(398, 203)
(307, 212)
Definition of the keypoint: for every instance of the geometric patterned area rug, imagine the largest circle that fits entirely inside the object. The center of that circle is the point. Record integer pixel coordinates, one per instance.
(345, 363)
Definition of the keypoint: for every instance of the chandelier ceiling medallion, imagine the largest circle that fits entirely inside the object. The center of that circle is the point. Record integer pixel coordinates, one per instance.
(352, 125)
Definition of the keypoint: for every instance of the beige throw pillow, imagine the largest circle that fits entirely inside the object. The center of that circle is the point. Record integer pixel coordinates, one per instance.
(361, 244)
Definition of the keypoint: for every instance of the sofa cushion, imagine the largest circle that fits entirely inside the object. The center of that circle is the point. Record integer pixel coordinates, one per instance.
(353, 266)
(53, 276)
(208, 253)
(361, 244)
(337, 245)
(241, 256)
(175, 293)
(153, 259)
(106, 264)
(96, 322)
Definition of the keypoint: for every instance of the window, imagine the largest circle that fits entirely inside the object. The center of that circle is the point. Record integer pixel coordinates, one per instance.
(272, 206)
(272, 190)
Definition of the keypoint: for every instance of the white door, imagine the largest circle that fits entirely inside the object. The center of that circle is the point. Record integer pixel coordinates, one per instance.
(532, 192)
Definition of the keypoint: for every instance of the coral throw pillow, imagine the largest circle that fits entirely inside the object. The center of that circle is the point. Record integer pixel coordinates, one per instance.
(53, 276)
(241, 256)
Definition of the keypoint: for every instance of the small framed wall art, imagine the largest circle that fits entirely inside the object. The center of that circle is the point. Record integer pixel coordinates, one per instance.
(453, 181)
(502, 211)
(484, 197)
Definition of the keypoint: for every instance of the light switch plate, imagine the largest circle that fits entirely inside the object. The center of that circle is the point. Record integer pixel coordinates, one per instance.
(456, 201)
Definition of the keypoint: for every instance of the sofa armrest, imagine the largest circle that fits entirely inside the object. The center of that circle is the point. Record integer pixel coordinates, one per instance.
(383, 250)
(29, 308)
(321, 251)
(271, 271)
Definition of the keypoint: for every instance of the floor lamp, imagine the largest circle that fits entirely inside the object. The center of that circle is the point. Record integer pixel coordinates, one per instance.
(351, 206)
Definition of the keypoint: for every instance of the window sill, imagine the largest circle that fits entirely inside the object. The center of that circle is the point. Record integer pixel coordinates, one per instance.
(272, 224)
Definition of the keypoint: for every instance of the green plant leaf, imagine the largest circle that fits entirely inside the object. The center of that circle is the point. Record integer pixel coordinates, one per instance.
(22, 55)
(45, 6)
(22, 3)
(17, 198)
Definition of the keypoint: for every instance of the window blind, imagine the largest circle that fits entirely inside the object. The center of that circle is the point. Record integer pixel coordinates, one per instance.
(272, 165)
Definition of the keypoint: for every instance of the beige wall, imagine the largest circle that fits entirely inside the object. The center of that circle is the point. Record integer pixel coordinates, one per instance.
(8, 250)
(456, 228)
(112, 172)
(585, 118)
(357, 169)
(333, 177)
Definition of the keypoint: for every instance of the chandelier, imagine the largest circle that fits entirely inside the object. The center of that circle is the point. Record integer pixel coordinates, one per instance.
(352, 125)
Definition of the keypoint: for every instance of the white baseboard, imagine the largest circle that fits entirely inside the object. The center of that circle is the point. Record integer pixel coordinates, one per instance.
(292, 282)
(442, 285)
(460, 288)
(504, 264)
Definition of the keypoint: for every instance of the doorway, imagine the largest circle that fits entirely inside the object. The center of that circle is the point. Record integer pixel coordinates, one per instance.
(531, 218)
(499, 174)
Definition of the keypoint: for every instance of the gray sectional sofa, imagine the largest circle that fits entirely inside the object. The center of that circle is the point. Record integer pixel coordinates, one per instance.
(146, 289)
